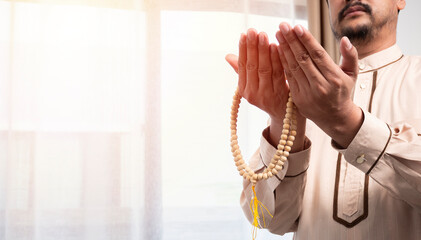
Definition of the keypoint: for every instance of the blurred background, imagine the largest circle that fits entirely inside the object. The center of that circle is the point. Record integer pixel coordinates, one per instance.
(114, 116)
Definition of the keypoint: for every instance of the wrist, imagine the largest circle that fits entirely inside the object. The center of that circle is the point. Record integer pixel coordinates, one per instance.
(275, 132)
(345, 125)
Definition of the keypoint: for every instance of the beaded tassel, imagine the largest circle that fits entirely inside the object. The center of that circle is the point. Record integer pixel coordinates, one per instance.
(289, 131)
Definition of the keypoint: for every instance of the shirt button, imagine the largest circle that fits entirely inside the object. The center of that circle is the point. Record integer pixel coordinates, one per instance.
(363, 86)
(361, 159)
(361, 66)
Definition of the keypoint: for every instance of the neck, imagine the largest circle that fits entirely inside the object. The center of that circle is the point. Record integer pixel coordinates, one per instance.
(380, 41)
(373, 47)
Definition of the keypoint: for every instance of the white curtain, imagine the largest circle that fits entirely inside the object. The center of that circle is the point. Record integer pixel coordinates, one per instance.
(114, 117)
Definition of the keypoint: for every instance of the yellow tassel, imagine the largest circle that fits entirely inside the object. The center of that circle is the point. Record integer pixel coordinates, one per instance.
(255, 205)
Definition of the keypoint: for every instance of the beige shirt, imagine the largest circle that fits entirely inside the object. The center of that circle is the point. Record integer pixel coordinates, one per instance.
(372, 189)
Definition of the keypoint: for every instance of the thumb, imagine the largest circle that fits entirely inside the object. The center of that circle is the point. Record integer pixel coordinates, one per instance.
(349, 58)
(233, 61)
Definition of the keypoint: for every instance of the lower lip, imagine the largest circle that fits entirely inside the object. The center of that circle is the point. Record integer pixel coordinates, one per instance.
(354, 14)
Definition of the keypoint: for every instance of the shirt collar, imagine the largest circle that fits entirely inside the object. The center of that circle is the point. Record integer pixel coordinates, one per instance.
(380, 59)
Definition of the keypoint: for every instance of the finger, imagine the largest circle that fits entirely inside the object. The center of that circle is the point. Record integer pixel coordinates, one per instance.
(292, 83)
(233, 61)
(278, 75)
(349, 58)
(301, 56)
(252, 61)
(242, 61)
(293, 68)
(318, 54)
(265, 66)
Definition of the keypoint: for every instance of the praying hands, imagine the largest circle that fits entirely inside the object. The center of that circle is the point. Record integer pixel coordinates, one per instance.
(261, 80)
(321, 89)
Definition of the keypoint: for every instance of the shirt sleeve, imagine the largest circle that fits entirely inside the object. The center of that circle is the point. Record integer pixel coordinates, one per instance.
(391, 155)
(282, 194)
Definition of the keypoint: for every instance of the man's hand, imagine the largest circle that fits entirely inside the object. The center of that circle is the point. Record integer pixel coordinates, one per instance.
(261, 80)
(321, 89)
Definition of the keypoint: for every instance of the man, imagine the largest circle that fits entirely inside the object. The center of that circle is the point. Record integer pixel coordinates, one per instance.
(355, 170)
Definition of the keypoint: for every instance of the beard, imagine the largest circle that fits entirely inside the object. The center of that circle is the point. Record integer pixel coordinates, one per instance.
(359, 34)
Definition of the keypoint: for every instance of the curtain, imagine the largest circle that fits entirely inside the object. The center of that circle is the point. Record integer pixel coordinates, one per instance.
(319, 26)
(114, 117)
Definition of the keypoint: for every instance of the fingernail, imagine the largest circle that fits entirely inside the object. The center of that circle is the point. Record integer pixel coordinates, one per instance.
(250, 35)
(242, 38)
(299, 30)
(284, 29)
(280, 37)
(348, 44)
(261, 39)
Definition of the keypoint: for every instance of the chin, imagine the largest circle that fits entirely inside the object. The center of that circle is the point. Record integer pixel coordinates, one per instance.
(357, 34)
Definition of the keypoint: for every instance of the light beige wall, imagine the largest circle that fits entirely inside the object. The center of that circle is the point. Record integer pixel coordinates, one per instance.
(409, 28)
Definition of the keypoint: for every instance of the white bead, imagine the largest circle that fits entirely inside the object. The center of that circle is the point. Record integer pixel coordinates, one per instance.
(291, 138)
(281, 147)
(280, 163)
(278, 167)
(265, 176)
(286, 154)
(260, 176)
(235, 148)
(282, 142)
(270, 174)
(274, 172)
(241, 173)
(248, 169)
(283, 158)
(241, 167)
(271, 166)
(284, 137)
(285, 131)
(287, 148)
(293, 133)
(290, 143)
(286, 126)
